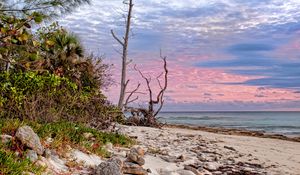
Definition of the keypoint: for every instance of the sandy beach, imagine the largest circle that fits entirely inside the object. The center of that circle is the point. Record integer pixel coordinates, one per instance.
(171, 150)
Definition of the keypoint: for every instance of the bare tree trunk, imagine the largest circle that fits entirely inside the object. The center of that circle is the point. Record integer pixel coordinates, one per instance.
(124, 44)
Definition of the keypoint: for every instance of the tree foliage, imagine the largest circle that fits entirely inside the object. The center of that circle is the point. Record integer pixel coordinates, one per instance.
(45, 73)
(46, 7)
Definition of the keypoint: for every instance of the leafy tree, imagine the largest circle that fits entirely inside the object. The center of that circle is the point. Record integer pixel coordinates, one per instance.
(46, 7)
(16, 39)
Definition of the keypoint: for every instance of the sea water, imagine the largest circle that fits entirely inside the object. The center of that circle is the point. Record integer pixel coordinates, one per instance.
(285, 123)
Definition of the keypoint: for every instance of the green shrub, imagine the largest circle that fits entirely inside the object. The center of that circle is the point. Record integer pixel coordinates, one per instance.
(11, 164)
(67, 133)
(47, 97)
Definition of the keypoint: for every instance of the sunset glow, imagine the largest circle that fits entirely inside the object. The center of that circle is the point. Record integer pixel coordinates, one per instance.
(222, 54)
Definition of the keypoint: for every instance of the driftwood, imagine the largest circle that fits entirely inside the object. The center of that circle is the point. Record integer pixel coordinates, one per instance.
(148, 116)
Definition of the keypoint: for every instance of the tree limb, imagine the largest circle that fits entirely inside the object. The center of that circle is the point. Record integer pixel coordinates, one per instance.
(116, 38)
(130, 95)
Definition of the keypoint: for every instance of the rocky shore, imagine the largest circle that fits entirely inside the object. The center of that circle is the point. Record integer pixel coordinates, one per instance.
(169, 151)
(186, 151)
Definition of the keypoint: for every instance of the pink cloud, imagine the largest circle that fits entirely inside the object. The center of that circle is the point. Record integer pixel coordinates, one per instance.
(190, 84)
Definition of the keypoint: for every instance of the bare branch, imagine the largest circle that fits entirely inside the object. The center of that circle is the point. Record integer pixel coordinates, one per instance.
(116, 38)
(128, 100)
(147, 80)
(143, 93)
(126, 84)
(158, 81)
(159, 109)
(116, 50)
(133, 100)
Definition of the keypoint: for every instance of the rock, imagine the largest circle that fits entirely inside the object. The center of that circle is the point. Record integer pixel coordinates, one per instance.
(5, 138)
(29, 138)
(230, 148)
(159, 166)
(205, 172)
(32, 155)
(212, 166)
(132, 168)
(136, 156)
(120, 153)
(53, 164)
(185, 172)
(182, 157)
(140, 151)
(192, 169)
(173, 159)
(87, 160)
(110, 167)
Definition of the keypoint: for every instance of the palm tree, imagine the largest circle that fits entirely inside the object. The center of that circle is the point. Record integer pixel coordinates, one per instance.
(66, 53)
(68, 45)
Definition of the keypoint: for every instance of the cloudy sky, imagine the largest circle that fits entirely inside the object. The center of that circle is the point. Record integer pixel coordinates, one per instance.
(222, 54)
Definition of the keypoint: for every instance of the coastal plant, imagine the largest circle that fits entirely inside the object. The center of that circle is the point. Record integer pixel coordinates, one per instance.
(45, 74)
(48, 97)
(11, 163)
(67, 133)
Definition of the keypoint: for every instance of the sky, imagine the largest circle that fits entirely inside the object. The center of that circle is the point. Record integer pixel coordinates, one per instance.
(222, 54)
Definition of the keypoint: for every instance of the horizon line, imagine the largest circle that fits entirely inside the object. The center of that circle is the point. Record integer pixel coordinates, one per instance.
(174, 111)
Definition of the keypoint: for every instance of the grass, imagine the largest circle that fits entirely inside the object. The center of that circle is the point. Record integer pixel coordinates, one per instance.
(12, 164)
(63, 134)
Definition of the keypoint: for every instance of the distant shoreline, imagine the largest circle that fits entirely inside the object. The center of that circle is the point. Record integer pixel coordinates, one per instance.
(233, 131)
(254, 111)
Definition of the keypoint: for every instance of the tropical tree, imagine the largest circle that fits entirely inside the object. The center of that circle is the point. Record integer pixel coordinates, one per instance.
(18, 43)
(46, 7)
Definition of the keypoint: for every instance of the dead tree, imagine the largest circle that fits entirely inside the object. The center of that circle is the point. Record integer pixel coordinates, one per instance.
(148, 116)
(124, 43)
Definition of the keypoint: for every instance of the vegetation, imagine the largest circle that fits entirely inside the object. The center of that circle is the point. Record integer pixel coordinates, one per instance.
(45, 75)
(14, 165)
(46, 7)
(67, 133)
(62, 133)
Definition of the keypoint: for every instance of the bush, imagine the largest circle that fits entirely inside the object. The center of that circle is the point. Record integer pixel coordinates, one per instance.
(46, 76)
(47, 97)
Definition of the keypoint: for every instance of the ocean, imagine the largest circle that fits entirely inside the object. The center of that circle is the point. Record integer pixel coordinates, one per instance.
(285, 123)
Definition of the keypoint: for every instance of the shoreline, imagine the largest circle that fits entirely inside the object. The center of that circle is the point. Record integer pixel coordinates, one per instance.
(234, 131)
(173, 149)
